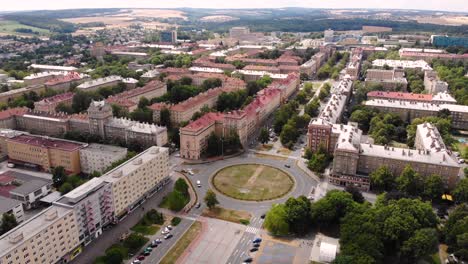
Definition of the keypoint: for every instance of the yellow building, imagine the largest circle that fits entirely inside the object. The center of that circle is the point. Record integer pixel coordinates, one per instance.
(44, 153)
(49, 237)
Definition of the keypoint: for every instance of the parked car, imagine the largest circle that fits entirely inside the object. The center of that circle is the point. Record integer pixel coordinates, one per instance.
(167, 236)
(165, 231)
(149, 249)
(257, 240)
(141, 257)
(136, 261)
(287, 165)
(169, 227)
(253, 249)
(157, 241)
(198, 205)
(256, 245)
(153, 244)
(248, 260)
(262, 216)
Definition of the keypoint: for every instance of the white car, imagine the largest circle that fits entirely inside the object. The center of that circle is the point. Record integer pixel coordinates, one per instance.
(198, 184)
(165, 231)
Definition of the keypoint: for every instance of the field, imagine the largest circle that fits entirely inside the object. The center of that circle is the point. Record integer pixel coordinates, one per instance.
(128, 17)
(252, 182)
(220, 18)
(179, 248)
(227, 215)
(8, 27)
(444, 20)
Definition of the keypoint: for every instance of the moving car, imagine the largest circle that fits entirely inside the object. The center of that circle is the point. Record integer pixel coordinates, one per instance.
(287, 165)
(257, 240)
(198, 205)
(262, 216)
(198, 184)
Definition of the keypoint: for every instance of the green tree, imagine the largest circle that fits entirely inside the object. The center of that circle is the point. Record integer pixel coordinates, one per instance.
(58, 176)
(410, 182)
(382, 179)
(288, 135)
(181, 186)
(356, 193)
(66, 188)
(263, 137)
(114, 256)
(312, 108)
(433, 187)
(143, 103)
(165, 118)
(298, 214)
(176, 201)
(210, 199)
(8, 223)
(134, 242)
(330, 209)
(460, 192)
(319, 160)
(276, 220)
(423, 243)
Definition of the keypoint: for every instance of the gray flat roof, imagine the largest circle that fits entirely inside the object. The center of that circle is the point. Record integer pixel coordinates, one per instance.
(6, 204)
(29, 187)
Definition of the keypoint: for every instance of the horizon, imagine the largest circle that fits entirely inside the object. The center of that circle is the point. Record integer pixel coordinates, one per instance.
(416, 5)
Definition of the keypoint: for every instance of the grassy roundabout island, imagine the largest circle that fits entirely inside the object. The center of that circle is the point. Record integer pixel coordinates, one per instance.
(252, 182)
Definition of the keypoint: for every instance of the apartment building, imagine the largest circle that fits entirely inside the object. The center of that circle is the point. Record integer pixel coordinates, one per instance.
(403, 64)
(25, 188)
(64, 82)
(321, 131)
(92, 206)
(42, 77)
(48, 237)
(352, 165)
(411, 110)
(98, 157)
(440, 98)
(194, 136)
(6, 97)
(428, 56)
(96, 84)
(44, 153)
(392, 80)
(133, 181)
(129, 99)
(4, 135)
(12, 207)
(52, 68)
(432, 84)
(49, 104)
(98, 121)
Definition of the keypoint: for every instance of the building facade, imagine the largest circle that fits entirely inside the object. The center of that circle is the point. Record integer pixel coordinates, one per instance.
(98, 157)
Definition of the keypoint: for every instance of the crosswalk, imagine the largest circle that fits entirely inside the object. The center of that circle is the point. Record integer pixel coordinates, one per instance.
(253, 230)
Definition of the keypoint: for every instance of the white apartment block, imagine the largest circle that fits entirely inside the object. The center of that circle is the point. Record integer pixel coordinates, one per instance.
(137, 179)
(13, 207)
(92, 206)
(96, 84)
(432, 84)
(98, 157)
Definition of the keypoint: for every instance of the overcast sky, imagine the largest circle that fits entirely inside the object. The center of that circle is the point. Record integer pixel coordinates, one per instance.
(446, 5)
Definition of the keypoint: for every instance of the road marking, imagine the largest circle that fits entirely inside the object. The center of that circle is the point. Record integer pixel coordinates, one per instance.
(252, 230)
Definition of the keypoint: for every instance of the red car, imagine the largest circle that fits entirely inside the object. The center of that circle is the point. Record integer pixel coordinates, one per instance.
(141, 257)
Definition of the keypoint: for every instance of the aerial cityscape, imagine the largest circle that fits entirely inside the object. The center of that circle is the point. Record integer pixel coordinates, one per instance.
(204, 132)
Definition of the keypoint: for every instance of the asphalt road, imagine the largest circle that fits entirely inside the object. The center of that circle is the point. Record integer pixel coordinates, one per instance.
(204, 172)
(159, 252)
(242, 250)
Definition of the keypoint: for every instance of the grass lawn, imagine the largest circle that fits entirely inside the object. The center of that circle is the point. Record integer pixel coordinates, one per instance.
(268, 156)
(8, 26)
(264, 147)
(227, 214)
(145, 230)
(253, 182)
(179, 248)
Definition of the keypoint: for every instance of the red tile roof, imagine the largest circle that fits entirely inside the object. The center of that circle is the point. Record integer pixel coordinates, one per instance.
(46, 142)
(13, 112)
(71, 76)
(57, 98)
(205, 121)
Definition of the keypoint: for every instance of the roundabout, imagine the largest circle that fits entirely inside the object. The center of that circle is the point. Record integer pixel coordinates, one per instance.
(252, 182)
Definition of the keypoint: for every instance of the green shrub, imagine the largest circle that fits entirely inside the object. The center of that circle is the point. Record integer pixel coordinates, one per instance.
(244, 221)
(175, 221)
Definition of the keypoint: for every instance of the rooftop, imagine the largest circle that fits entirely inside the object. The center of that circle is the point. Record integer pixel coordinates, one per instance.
(100, 81)
(6, 204)
(133, 164)
(206, 120)
(31, 228)
(416, 105)
(47, 142)
(400, 96)
(430, 138)
(52, 67)
(403, 154)
(405, 64)
(100, 148)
